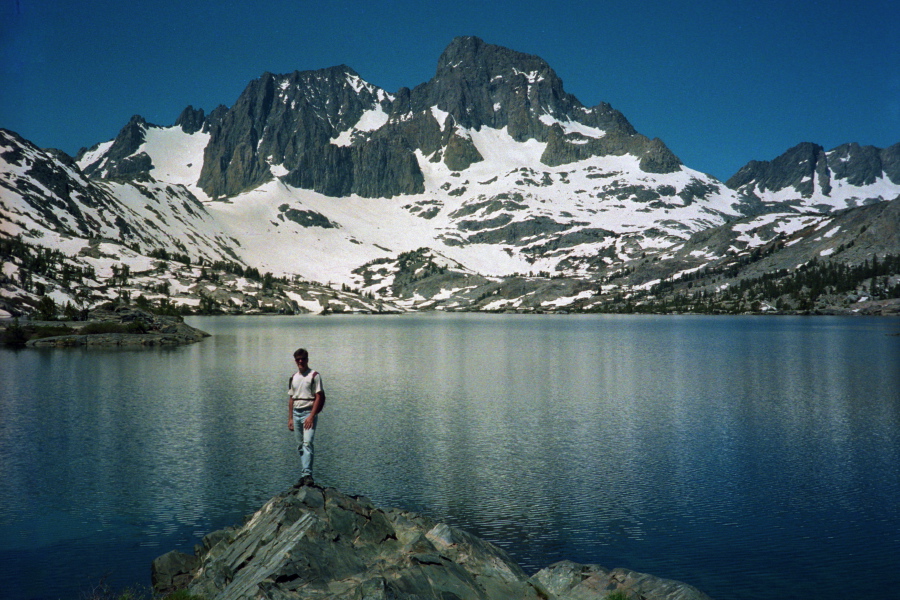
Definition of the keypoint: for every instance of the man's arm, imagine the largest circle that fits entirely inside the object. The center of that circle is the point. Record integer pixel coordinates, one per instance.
(316, 407)
(290, 414)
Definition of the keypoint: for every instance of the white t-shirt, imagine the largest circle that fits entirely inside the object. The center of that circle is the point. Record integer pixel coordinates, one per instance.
(303, 389)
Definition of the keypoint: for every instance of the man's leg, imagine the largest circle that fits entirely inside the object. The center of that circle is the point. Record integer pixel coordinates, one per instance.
(304, 438)
(306, 452)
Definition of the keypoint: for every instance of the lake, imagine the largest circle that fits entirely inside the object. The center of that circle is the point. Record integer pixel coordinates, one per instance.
(753, 457)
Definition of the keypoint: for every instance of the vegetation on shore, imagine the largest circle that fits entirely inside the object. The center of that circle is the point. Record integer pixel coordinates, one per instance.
(812, 286)
(739, 286)
(102, 591)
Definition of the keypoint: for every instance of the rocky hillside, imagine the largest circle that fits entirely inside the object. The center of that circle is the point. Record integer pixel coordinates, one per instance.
(313, 542)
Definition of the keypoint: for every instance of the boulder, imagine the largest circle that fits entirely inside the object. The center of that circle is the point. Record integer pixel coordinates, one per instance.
(172, 571)
(567, 580)
(314, 542)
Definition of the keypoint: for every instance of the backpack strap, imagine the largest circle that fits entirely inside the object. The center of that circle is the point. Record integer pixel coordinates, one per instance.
(313, 382)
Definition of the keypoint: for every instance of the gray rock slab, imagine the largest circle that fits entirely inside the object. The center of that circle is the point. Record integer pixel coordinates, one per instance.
(319, 543)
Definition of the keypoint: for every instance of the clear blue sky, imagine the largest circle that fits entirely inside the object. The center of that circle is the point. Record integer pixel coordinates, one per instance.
(720, 82)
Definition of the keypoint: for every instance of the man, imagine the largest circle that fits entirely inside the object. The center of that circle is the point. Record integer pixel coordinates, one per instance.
(306, 397)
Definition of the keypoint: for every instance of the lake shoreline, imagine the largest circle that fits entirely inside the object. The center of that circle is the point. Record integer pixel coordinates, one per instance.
(122, 326)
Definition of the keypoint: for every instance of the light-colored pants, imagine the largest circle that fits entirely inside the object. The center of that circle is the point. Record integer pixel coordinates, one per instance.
(304, 439)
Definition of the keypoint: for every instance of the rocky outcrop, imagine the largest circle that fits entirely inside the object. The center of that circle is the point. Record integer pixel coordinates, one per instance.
(795, 168)
(120, 161)
(291, 120)
(460, 153)
(313, 542)
(124, 326)
(864, 165)
(191, 120)
(565, 148)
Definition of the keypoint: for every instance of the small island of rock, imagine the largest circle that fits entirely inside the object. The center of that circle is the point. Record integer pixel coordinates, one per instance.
(118, 326)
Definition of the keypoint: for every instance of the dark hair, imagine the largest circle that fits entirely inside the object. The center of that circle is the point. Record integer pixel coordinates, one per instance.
(300, 352)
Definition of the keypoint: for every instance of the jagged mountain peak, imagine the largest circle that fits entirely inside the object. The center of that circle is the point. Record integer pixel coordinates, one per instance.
(118, 158)
(481, 84)
(788, 169)
(470, 57)
(312, 86)
(331, 131)
(317, 81)
(807, 177)
(191, 120)
(292, 124)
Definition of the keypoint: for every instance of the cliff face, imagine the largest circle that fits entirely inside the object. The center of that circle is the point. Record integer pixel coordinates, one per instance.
(330, 131)
(313, 542)
(808, 178)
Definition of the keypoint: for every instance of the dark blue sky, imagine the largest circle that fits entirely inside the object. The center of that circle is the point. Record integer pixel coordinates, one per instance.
(720, 82)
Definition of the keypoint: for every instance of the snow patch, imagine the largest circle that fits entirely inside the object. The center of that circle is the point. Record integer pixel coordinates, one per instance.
(369, 121)
(278, 170)
(439, 115)
(177, 156)
(567, 300)
(94, 155)
(531, 76)
(573, 127)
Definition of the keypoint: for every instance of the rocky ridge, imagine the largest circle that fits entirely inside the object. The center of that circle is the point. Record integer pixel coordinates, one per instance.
(309, 127)
(318, 543)
(807, 178)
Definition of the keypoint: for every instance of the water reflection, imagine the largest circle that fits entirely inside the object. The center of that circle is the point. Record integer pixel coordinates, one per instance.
(752, 457)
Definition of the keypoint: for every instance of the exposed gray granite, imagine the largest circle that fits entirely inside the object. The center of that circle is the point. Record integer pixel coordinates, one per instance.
(312, 542)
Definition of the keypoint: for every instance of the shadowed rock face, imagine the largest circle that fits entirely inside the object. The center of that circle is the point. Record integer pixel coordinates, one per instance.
(808, 168)
(292, 120)
(313, 542)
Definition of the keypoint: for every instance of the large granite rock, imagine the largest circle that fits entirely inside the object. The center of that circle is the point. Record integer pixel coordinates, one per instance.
(191, 120)
(564, 148)
(291, 120)
(313, 542)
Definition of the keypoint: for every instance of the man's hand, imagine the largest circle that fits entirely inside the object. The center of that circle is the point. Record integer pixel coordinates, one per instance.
(308, 422)
(291, 424)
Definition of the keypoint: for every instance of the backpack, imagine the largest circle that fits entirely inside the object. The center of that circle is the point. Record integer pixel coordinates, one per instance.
(314, 375)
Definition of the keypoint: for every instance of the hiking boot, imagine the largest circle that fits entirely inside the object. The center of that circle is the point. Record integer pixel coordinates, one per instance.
(305, 480)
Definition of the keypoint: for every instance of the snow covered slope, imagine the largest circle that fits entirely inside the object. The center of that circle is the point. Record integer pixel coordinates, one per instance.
(534, 183)
(487, 171)
(45, 196)
(506, 214)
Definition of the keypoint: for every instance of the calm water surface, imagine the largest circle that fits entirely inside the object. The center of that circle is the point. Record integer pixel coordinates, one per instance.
(751, 457)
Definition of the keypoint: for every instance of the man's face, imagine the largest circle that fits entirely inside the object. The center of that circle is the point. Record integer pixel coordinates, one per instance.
(301, 362)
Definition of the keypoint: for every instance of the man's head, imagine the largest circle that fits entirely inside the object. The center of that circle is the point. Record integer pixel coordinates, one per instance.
(301, 356)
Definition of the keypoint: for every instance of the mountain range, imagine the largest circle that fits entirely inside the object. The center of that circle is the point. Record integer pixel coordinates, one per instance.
(488, 187)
